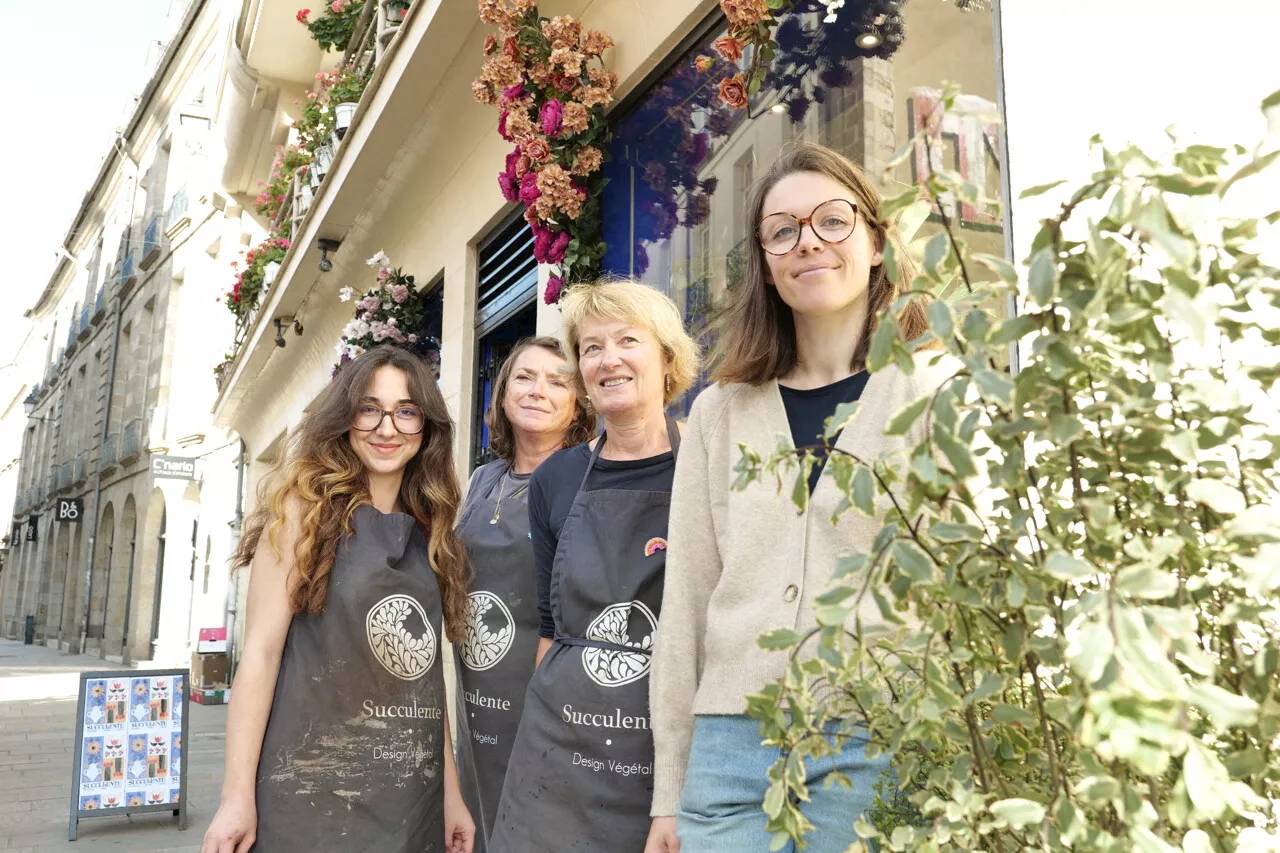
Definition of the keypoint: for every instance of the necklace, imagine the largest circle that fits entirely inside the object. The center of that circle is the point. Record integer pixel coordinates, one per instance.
(502, 484)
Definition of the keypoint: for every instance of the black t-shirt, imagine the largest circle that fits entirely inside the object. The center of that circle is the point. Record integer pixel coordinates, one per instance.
(552, 490)
(808, 410)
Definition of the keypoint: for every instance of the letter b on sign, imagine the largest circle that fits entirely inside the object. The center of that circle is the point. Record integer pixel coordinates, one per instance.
(70, 509)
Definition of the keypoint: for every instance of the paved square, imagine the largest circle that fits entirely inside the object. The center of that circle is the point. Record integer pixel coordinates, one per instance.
(37, 736)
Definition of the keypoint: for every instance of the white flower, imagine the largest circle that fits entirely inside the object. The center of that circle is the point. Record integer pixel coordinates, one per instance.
(340, 348)
(355, 351)
(355, 329)
(345, 294)
(379, 260)
(832, 6)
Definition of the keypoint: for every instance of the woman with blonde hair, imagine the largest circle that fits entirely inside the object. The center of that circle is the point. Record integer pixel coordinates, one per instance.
(535, 412)
(742, 562)
(580, 776)
(337, 734)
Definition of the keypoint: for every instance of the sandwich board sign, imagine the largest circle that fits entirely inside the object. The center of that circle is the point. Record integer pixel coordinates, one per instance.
(131, 728)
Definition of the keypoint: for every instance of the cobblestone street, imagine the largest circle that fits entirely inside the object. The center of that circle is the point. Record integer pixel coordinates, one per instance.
(37, 738)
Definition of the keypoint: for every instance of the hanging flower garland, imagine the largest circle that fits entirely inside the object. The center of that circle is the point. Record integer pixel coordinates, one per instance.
(389, 312)
(551, 102)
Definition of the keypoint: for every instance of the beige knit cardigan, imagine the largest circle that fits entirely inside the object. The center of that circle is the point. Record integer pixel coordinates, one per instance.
(742, 563)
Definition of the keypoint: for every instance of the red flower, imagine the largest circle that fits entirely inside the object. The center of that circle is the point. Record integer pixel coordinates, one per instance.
(490, 44)
(302, 16)
(555, 284)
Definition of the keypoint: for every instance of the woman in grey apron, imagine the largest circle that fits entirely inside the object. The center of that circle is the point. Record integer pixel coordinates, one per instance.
(581, 771)
(533, 414)
(337, 734)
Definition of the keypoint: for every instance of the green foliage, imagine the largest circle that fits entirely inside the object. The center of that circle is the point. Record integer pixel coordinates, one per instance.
(332, 30)
(1078, 575)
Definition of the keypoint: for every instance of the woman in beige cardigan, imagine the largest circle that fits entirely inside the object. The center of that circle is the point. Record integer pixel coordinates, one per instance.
(741, 563)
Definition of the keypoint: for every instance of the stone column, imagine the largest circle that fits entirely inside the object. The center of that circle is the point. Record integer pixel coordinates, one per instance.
(173, 644)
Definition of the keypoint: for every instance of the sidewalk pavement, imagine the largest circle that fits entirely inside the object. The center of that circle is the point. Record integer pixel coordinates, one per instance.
(37, 736)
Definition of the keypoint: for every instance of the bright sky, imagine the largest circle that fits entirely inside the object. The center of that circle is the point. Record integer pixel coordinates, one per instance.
(72, 65)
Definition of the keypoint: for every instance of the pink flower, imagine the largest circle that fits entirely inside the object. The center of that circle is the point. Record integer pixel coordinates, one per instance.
(512, 93)
(548, 246)
(302, 15)
(507, 184)
(370, 303)
(555, 284)
(529, 191)
(551, 117)
(502, 126)
(399, 293)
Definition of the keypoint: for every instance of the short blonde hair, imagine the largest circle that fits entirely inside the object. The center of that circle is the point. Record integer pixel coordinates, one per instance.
(633, 302)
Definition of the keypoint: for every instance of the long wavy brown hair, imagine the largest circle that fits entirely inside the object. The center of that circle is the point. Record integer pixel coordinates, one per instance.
(502, 439)
(758, 341)
(319, 470)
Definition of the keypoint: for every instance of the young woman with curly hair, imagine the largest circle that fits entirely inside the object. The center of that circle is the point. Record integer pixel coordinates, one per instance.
(337, 734)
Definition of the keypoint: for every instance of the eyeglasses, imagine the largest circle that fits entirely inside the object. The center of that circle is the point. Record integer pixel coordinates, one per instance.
(832, 222)
(407, 420)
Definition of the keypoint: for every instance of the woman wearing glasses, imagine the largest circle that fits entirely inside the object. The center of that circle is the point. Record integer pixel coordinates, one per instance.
(744, 562)
(534, 413)
(337, 734)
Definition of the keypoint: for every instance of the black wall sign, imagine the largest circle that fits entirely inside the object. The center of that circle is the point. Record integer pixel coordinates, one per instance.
(16, 536)
(32, 524)
(173, 467)
(70, 509)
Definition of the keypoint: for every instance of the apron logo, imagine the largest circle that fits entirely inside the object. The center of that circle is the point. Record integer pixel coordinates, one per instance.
(654, 545)
(486, 643)
(400, 653)
(612, 667)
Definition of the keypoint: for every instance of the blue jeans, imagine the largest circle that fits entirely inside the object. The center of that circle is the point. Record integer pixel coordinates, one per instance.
(720, 809)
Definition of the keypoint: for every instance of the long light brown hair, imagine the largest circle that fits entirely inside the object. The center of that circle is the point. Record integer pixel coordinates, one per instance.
(758, 334)
(501, 433)
(320, 471)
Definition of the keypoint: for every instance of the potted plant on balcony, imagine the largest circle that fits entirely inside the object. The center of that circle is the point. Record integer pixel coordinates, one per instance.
(251, 278)
(343, 96)
(396, 11)
(333, 27)
(288, 160)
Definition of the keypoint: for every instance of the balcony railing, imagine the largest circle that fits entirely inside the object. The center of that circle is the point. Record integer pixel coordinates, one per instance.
(73, 331)
(128, 271)
(51, 374)
(64, 475)
(177, 216)
(107, 456)
(78, 474)
(131, 441)
(51, 482)
(99, 306)
(86, 315)
(151, 243)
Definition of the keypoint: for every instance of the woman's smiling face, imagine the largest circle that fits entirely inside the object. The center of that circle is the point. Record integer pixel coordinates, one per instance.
(817, 278)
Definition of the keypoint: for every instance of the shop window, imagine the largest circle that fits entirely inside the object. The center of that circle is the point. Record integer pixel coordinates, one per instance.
(682, 162)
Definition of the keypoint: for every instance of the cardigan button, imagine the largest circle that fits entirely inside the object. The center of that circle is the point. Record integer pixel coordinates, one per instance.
(791, 593)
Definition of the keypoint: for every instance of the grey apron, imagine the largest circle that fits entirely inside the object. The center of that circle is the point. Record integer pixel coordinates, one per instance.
(496, 657)
(581, 773)
(353, 758)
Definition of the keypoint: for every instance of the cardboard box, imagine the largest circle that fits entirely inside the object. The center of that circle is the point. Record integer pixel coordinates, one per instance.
(218, 696)
(209, 670)
(212, 640)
